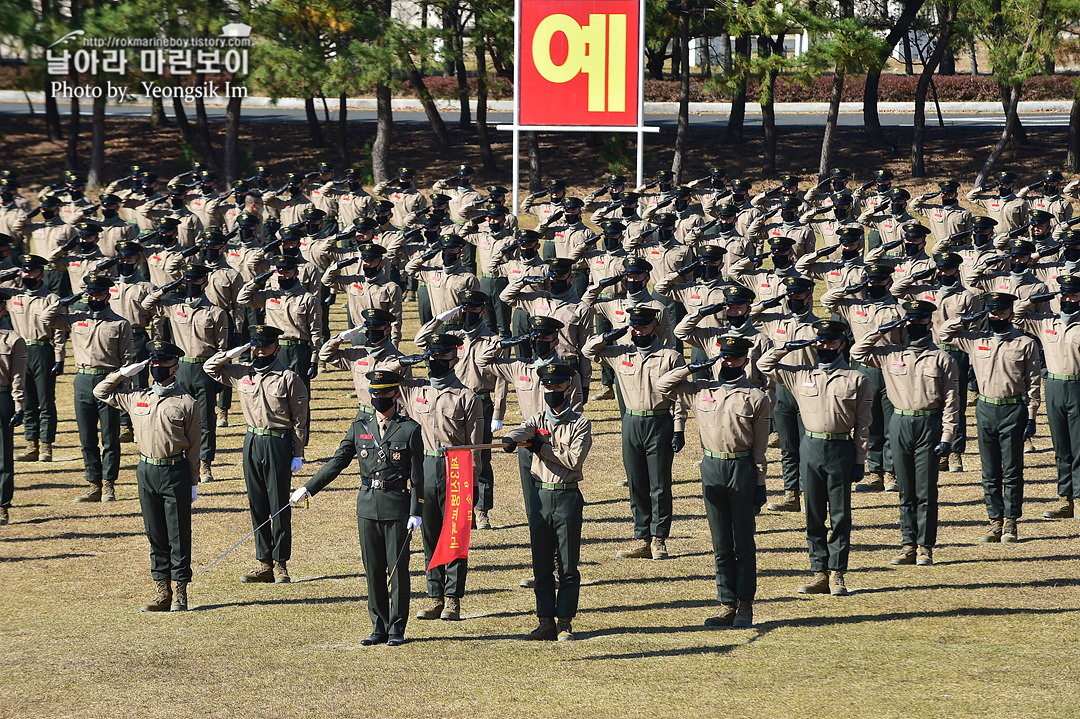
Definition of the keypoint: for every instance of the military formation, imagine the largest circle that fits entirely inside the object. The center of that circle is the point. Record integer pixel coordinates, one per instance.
(850, 328)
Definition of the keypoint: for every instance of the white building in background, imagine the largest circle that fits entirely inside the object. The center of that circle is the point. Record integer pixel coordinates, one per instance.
(794, 45)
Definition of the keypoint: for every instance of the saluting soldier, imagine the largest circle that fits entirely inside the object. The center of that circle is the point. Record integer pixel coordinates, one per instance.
(166, 423)
(946, 218)
(102, 342)
(446, 279)
(828, 228)
(390, 451)
(564, 231)
(164, 260)
(1058, 334)
(114, 230)
(1015, 278)
(188, 225)
(848, 269)
(767, 282)
(1051, 199)
(834, 182)
(368, 286)
(733, 420)
(464, 198)
(378, 351)
(543, 209)
(1007, 366)
(1005, 207)
(86, 259)
(31, 312)
(767, 200)
(48, 236)
(200, 328)
(888, 219)
(652, 425)
(354, 202)
(874, 195)
(489, 242)
(474, 338)
(450, 414)
(559, 438)
(289, 202)
(705, 329)
(635, 278)
(922, 384)
(12, 382)
(760, 229)
(128, 293)
(13, 218)
(516, 261)
(712, 194)
(834, 401)
(403, 193)
(914, 258)
(694, 286)
(274, 401)
(223, 285)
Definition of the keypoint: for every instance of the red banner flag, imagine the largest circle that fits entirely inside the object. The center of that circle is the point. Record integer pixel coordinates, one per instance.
(457, 520)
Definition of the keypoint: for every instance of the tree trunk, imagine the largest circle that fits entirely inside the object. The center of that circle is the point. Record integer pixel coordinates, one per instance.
(231, 163)
(343, 128)
(947, 14)
(487, 157)
(767, 99)
(157, 112)
(1072, 161)
(1010, 127)
(181, 120)
(314, 128)
(53, 129)
(973, 57)
(725, 52)
(684, 95)
(676, 56)
(908, 68)
(442, 137)
(532, 143)
(737, 117)
(202, 130)
(380, 148)
(871, 122)
(948, 64)
(1019, 134)
(95, 176)
(73, 128)
(830, 124)
(464, 115)
(654, 62)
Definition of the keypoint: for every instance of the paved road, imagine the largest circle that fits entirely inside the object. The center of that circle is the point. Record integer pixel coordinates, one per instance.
(717, 120)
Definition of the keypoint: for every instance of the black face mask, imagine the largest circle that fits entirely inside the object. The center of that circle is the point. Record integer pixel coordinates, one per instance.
(108, 214)
(31, 283)
(558, 287)
(573, 219)
(738, 197)
(87, 247)
(264, 362)
(635, 287)
(666, 233)
(543, 347)
(167, 240)
(1018, 268)
(287, 283)
(948, 280)
(1004, 191)
(382, 219)
(383, 404)
(97, 305)
(738, 320)
(850, 254)
(1000, 326)
(313, 228)
(897, 209)
(294, 191)
(781, 261)
(917, 331)
(1050, 190)
(1071, 254)
(710, 272)
(825, 356)
(730, 374)
(375, 335)
(211, 254)
(161, 374)
(527, 253)
(882, 189)
(840, 213)
(629, 210)
(438, 367)
(798, 306)
(948, 201)
(641, 340)
(50, 214)
(1070, 308)
(727, 224)
(788, 215)
(194, 290)
(371, 272)
(290, 251)
(125, 269)
(876, 292)
(681, 205)
(449, 259)
(912, 248)
(554, 399)
(472, 319)
(612, 242)
(177, 201)
(981, 240)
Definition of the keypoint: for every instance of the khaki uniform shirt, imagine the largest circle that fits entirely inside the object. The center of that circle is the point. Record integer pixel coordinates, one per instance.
(468, 370)
(79, 266)
(864, 315)
(47, 237)
(889, 226)
(562, 239)
(524, 376)
(165, 264)
(543, 209)
(1060, 341)
(1023, 288)
(560, 456)
(761, 231)
(707, 339)
(126, 297)
(275, 399)
(288, 208)
(199, 330)
(488, 245)
(352, 206)
(834, 273)
(731, 417)
(517, 268)
(638, 375)
(915, 380)
(1008, 211)
(449, 417)
(837, 402)
(1004, 368)
(616, 310)
(827, 228)
(766, 283)
(103, 342)
(736, 247)
(782, 326)
(443, 286)
(949, 302)
(463, 200)
(164, 426)
(324, 196)
(902, 265)
(32, 315)
(13, 221)
(237, 256)
(602, 264)
(576, 316)
(114, 231)
(1058, 206)
(361, 360)
(665, 258)
(405, 202)
(76, 210)
(207, 207)
(223, 289)
(296, 312)
(13, 365)
(363, 293)
(693, 295)
(943, 221)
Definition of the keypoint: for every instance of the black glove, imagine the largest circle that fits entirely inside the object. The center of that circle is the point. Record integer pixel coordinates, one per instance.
(613, 335)
(1029, 431)
(924, 274)
(824, 251)
(941, 449)
(702, 364)
(342, 264)
(313, 370)
(16, 419)
(57, 369)
(189, 251)
(971, 378)
(758, 259)
(172, 286)
(857, 473)
(411, 360)
(1040, 297)
(102, 266)
(772, 302)
(509, 249)
(929, 195)
(610, 281)
(687, 269)
(892, 245)
(759, 497)
(509, 445)
(972, 317)
(890, 326)
(793, 345)
(534, 279)
(513, 341)
(535, 443)
(261, 279)
(71, 299)
(855, 289)
(678, 441)
(712, 309)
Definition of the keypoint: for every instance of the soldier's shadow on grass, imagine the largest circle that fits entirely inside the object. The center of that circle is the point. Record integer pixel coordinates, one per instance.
(77, 535)
(63, 517)
(45, 559)
(1036, 584)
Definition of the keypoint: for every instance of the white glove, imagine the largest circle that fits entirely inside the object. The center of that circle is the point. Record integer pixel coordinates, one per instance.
(299, 494)
(296, 465)
(496, 425)
(348, 334)
(237, 351)
(449, 314)
(194, 493)
(413, 523)
(130, 370)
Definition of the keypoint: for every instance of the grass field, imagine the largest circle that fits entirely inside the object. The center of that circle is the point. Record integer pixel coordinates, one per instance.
(990, 631)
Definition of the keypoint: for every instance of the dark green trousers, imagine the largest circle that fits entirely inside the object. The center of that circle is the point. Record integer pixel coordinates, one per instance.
(423, 303)
(58, 281)
(913, 440)
(90, 412)
(676, 313)
(826, 476)
(519, 325)
(267, 478)
(579, 280)
(7, 449)
(602, 325)
(963, 361)
(380, 544)
(647, 457)
(1001, 452)
(555, 538)
(141, 380)
(39, 405)
(728, 487)
(498, 311)
(297, 358)
(205, 390)
(698, 355)
(449, 579)
(165, 500)
(525, 471)
(1062, 399)
(789, 429)
(485, 483)
(879, 456)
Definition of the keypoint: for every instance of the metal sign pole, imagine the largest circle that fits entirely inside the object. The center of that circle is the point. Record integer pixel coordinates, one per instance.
(516, 162)
(641, 96)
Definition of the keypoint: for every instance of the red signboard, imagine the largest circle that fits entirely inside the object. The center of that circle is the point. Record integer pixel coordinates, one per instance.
(579, 63)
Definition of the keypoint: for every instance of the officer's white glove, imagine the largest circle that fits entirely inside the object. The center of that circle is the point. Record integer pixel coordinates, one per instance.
(130, 370)
(194, 493)
(296, 465)
(299, 494)
(450, 314)
(413, 523)
(496, 425)
(237, 351)
(348, 334)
